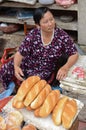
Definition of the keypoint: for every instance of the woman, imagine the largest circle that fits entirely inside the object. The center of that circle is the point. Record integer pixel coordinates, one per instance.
(40, 51)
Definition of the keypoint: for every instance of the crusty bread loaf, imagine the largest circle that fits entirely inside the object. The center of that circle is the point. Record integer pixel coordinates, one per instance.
(16, 103)
(69, 112)
(26, 86)
(41, 97)
(48, 104)
(14, 128)
(2, 123)
(57, 112)
(34, 92)
(14, 118)
(29, 127)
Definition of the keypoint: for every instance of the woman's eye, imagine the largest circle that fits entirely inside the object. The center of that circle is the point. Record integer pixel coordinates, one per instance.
(50, 20)
(45, 22)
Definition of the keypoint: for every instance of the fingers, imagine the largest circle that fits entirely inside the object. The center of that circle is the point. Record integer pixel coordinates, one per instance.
(61, 74)
(19, 74)
(19, 77)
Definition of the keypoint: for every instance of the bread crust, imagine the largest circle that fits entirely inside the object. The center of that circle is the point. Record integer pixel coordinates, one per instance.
(57, 112)
(69, 112)
(17, 104)
(14, 118)
(48, 104)
(41, 97)
(26, 86)
(29, 127)
(32, 94)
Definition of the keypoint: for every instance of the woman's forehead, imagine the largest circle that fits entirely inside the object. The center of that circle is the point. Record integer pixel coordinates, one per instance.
(47, 14)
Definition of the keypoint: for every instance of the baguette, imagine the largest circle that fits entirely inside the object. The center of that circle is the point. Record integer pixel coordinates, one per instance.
(48, 104)
(29, 127)
(34, 92)
(41, 97)
(57, 112)
(26, 86)
(14, 118)
(69, 113)
(17, 104)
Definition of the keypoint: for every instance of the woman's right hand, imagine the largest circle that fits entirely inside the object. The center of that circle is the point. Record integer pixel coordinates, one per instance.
(18, 73)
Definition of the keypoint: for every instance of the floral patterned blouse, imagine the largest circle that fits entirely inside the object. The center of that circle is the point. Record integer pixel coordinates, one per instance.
(40, 59)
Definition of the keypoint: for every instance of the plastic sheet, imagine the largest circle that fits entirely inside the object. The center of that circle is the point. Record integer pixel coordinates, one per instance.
(9, 91)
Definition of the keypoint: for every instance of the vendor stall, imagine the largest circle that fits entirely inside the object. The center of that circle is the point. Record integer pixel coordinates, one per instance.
(37, 104)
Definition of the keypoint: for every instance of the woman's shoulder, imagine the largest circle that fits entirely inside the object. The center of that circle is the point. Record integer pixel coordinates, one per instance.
(34, 31)
(60, 31)
(32, 34)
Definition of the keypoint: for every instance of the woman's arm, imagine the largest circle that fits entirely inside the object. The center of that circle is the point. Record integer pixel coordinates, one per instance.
(17, 61)
(63, 71)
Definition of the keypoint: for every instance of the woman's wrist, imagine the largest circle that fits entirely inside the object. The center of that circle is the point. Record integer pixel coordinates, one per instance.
(16, 66)
(66, 67)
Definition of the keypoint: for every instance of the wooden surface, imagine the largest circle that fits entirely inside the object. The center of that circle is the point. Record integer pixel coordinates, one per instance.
(52, 6)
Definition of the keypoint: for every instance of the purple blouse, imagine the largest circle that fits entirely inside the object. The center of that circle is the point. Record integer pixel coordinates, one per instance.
(42, 60)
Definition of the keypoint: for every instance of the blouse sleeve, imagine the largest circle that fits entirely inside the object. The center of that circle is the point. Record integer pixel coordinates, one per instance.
(68, 43)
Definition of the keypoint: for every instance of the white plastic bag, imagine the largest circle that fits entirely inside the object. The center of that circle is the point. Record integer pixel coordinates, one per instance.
(8, 91)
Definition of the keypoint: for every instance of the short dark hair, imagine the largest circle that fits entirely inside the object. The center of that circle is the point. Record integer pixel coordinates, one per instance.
(39, 13)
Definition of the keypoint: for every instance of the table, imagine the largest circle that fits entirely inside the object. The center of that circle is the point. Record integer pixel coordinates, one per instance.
(42, 123)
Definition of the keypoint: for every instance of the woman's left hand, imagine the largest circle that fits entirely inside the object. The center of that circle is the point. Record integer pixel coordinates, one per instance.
(62, 73)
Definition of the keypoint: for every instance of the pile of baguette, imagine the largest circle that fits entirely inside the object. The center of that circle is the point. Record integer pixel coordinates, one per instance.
(36, 94)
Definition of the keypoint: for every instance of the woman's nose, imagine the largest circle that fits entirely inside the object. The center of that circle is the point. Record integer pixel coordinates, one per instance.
(49, 23)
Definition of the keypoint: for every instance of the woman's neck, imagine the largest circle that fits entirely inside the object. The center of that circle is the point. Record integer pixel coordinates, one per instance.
(47, 37)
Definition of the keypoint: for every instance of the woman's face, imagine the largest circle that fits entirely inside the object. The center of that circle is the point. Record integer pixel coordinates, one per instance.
(47, 23)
